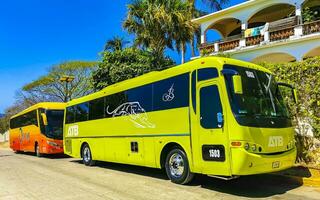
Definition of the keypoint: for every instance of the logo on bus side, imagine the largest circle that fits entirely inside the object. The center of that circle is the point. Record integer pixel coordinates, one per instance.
(73, 131)
(134, 110)
(24, 137)
(275, 141)
(166, 97)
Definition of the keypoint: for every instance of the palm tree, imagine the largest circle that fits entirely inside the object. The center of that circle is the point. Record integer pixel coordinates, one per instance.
(215, 4)
(158, 24)
(115, 44)
(182, 29)
(144, 20)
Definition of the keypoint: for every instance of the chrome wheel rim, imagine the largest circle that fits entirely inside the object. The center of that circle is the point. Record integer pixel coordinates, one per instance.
(86, 154)
(176, 165)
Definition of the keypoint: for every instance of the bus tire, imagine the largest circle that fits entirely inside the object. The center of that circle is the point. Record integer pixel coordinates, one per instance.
(177, 167)
(37, 150)
(87, 156)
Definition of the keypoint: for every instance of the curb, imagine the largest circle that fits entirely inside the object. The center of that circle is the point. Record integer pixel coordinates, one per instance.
(312, 181)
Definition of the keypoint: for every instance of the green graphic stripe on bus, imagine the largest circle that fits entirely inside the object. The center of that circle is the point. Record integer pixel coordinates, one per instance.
(121, 136)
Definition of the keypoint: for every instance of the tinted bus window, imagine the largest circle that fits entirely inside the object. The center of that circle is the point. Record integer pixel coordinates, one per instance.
(81, 112)
(140, 99)
(96, 109)
(210, 106)
(171, 93)
(115, 105)
(70, 115)
(54, 129)
(194, 90)
(207, 73)
(27, 119)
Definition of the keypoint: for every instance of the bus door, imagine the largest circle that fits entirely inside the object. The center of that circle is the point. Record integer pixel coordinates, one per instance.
(211, 135)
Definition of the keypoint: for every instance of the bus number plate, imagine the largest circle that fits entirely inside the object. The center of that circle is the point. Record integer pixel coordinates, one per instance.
(213, 153)
(276, 165)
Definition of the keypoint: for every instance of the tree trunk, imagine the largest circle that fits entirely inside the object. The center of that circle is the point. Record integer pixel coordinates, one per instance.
(182, 53)
(192, 42)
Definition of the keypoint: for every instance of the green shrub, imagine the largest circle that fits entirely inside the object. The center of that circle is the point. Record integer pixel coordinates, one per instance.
(305, 77)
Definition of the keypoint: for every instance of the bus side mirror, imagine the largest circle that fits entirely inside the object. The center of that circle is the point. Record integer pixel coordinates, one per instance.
(44, 119)
(293, 91)
(237, 84)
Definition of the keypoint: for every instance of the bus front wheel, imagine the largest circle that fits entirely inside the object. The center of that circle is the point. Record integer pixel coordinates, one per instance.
(177, 167)
(37, 150)
(87, 156)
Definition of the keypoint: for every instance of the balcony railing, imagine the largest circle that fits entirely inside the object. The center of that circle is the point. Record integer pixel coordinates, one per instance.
(311, 27)
(278, 30)
(281, 34)
(225, 46)
(250, 41)
(282, 29)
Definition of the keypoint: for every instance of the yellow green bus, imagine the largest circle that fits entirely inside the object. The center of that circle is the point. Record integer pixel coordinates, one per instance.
(215, 116)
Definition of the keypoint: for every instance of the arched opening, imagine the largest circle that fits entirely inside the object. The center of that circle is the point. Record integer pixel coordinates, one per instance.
(311, 16)
(313, 53)
(225, 32)
(311, 10)
(279, 20)
(227, 27)
(271, 14)
(274, 58)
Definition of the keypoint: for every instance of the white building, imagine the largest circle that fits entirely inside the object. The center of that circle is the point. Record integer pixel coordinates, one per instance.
(264, 30)
(4, 137)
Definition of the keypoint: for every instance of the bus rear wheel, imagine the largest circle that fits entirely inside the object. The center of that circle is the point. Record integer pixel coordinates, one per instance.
(177, 167)
(87, 156)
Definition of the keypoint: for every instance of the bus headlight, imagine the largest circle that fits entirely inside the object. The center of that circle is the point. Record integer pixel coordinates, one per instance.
(52, 144)
(246, 146)
(254, 147)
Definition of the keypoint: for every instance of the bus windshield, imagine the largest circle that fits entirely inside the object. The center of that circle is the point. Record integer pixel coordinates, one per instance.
(54, 129)
(261, 100)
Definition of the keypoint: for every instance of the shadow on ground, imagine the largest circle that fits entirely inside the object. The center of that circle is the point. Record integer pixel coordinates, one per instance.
(49, 156)
(255, 186)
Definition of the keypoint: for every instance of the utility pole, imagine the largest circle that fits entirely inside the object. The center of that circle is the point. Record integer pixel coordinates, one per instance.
(67, 80)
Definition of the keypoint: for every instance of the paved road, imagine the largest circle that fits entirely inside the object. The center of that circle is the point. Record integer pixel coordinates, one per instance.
(23, 176)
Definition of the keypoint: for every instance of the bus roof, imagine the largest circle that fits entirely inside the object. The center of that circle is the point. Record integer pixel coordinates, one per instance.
(159, 75)
(45, 105)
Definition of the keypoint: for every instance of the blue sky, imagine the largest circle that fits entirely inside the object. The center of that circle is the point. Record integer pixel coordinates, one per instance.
(37, 34)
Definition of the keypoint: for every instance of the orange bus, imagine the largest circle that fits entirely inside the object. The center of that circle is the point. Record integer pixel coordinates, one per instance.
(38, 129)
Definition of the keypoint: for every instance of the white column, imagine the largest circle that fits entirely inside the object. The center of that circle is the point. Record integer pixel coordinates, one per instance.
(244, 26)
(216, 47)
(203, 33)
(267, 36)
(298, 30)
(203, 37)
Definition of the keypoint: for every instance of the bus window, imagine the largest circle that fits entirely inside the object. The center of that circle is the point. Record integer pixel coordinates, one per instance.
(210, 106)
(81, 112)
(171, 93)
(96, 109)
(70, 115)
(207, 73)
(55, 124)
(194, 90)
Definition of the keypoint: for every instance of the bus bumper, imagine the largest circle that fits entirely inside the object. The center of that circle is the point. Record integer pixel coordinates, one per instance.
(48, 149)
(246, 163)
